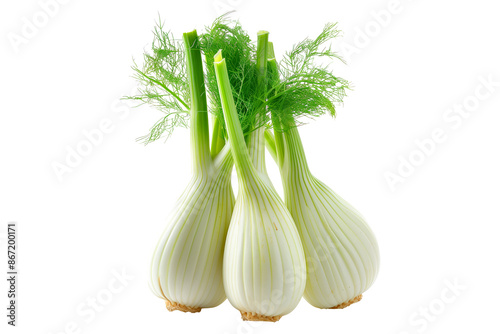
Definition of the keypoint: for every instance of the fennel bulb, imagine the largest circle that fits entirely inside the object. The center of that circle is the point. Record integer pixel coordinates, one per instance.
(186, 268)
(341, 250)
(264, 266)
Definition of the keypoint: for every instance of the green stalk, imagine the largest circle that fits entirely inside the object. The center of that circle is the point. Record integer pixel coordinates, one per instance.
(278, 131)
(271, 144)
(295, 154)
(218, 141)
(256, 138)
(291, 150)
(199, 116)
(262, 44)
(284, 144)
(244, 166)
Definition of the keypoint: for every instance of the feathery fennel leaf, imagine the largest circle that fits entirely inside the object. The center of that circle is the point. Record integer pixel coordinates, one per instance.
(301, 85)
(239, 52)
(306, 87)
(163, 84)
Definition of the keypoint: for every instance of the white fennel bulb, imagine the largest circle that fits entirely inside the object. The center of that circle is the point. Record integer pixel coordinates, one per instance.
(264, 264)
(186, 268)
(341, 251)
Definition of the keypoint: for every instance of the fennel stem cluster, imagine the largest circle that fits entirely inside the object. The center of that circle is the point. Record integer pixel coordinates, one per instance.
(261, 253)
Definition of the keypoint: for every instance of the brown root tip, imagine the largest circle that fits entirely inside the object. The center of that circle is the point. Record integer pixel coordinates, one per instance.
(173, 306)
(252, 316)
(347, 303)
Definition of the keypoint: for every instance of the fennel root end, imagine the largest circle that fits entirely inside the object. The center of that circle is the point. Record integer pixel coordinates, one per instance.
(173, 306)
(252, 316)
(347, 303)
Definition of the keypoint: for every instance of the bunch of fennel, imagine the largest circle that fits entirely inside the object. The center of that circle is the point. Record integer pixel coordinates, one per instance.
(260, 262)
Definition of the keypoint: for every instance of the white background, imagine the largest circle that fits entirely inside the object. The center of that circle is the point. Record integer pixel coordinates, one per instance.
(438, 227)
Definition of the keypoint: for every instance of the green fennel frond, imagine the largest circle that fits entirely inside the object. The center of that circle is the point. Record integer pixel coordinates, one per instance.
(163, 84)
(305, 86)
(239, 52)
